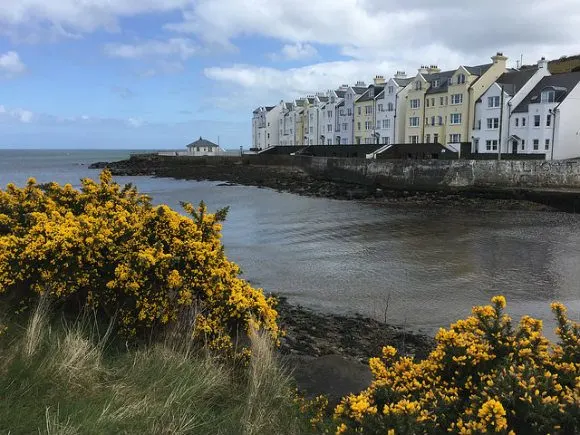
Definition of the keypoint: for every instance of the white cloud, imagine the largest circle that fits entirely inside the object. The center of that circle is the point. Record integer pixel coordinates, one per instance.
(297, 51)
(135, 122)
(11, 65)
(174, 47)
(18, 114)
(69, 16)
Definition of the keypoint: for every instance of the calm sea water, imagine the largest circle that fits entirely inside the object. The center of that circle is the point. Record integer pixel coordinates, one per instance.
(347, 257)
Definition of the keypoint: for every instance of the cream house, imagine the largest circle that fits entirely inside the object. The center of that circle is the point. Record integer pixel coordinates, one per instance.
(203, 147)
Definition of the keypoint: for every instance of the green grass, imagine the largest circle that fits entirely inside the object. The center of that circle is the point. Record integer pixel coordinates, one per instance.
(62, 379)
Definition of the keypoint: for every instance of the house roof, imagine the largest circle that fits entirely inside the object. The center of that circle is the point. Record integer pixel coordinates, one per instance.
(512, 81)
(478, 70)
(300, 103)
(202, 143)
(289, 106)
(310, 100)
(561, 83)
(403, 82)
(359, 89)
(340, 104)
(340, 94)
(268, 108)
(323, 99)
(442, 77)
(371, 93)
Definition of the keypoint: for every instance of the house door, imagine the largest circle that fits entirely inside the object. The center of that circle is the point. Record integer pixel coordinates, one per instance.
(514, 147)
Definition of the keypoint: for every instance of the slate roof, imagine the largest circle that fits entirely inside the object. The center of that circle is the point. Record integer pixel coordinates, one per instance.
(289, 106)
(442, 77)
(478, 70)
(514, 80)
(359, 90)
(323, 99)
(202, 143)
(340, 94)
(403, 82)
(341, 104)
(310, 100)
(268, 108)
(300, 103)
(367, 95)
(561, 83)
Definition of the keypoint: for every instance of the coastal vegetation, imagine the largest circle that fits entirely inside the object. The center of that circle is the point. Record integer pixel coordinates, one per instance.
(117, 316)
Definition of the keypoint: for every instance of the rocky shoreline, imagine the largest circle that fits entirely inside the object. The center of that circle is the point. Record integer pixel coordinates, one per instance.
(295, 180)
(328, 354)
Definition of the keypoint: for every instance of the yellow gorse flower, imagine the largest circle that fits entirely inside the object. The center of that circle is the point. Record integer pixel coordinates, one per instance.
(483, 376)
(107, 247)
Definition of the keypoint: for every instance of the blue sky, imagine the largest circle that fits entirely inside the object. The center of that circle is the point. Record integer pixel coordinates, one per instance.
(160, 73)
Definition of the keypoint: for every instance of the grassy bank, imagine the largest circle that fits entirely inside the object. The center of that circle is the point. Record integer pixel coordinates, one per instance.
(67, 379)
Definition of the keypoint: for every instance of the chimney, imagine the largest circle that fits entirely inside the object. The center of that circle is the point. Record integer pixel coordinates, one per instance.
(500, 59)
(401, 75)
(543, 63)
(379, 80)
(434, 69)
(343, 88)
(423, 70)
(361, 84)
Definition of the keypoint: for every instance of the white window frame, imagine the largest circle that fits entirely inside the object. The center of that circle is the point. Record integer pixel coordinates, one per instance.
(455, 119)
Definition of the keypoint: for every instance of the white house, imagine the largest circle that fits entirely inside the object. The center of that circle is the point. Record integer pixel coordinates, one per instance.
(203, 147)
(547, 121)
(391, 109)
(259, 132)
(286, 125)
(516, 85)
(346, 112)
(273, 115)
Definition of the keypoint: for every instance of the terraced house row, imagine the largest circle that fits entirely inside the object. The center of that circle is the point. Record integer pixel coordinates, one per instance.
(491, 107)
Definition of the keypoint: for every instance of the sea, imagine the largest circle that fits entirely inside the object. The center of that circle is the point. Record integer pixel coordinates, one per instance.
(421, 268)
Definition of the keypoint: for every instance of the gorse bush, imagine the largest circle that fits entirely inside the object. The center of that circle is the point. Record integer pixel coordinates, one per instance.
(484, 376)
(106, 247)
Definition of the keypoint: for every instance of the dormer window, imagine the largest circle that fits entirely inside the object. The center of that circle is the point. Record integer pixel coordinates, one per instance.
(548, 96)
(460, 79)
(449, 81)
(418, 85)
(435, 83)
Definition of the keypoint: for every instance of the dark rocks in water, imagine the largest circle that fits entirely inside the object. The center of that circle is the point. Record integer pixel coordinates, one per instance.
(99, 165)
(226, 184)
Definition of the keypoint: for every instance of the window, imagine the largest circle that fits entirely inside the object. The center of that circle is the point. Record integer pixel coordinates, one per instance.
(523, 145)
(426, 121)
(457, 99)
(432, 120)
(427, 102)
(329, 128)
(493, 102)
(517, 122)
(414, 121)
(435, 85)
(330, 113)
(268, 124)
(268, 137)
(198, 149)
(537, 120)
(455, 118)
(368, 110)
(492, 123)
(436, 138)
(368, 125)
(415, 104)
(491, 145)
(380, 108)
(548, 120)
(358, 126)
(449, 81)
(414, 139)
(418, 85)
(548, 96)
(359, 110)
(311, 130)
(440, 120)
(460, 79)
(427, 138)
(390, 107)
(341, 112)
(344, 126)
(536, 144)
(329, 141)
(478, 124)
(523, 122)
(441, 101)
(547, 144)
(386, 123)
(433, 102)
(349, 112)
(454, 138)
(311, 117)
(391, 90)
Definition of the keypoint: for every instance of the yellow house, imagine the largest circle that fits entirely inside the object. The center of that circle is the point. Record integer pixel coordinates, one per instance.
(441, 106)
(415, 117)
(365, 113)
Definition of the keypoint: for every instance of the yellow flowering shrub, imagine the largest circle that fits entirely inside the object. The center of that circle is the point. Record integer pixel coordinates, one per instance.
(484, 376)
(108, 248)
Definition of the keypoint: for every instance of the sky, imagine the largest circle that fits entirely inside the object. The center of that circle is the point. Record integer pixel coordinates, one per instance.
(160, 73)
